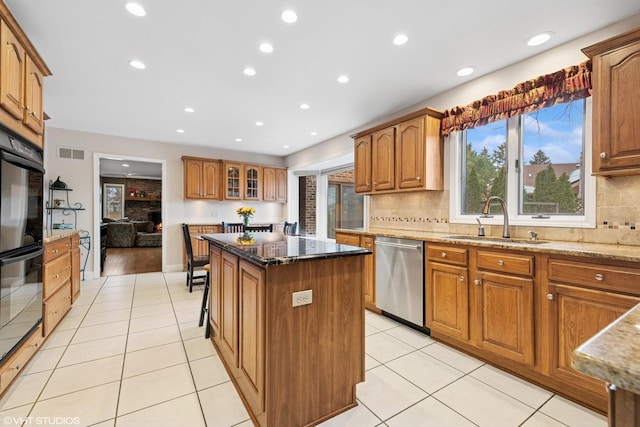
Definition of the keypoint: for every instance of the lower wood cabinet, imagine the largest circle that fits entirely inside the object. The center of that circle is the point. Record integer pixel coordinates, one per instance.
(12, 367)
(75, 267)
(200, 247)
(61, 279)
(527, 313)
(368, 242)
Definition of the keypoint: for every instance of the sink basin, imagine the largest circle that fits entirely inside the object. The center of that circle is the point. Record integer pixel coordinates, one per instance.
(496, 239)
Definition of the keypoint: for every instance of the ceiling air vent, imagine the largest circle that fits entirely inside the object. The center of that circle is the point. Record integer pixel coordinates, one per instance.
(70, 153)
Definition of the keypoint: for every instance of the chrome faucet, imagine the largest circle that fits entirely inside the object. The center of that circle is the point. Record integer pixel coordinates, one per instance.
(505, 226)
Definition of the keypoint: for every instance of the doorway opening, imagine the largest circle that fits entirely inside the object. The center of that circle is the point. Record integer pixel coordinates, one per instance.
(129, 221)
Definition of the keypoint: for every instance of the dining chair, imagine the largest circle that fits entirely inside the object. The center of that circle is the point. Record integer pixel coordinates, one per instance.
(290, 228)
(232, 227)
(258, 228)
(192, 263)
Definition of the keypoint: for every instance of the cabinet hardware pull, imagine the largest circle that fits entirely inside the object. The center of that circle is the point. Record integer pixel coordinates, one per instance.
(444, 254)
(599, 276)
(56, 276)
(461, 278)
(500, 262)
(603, 155)
(418, 178)
(477, 282)
(549, 297)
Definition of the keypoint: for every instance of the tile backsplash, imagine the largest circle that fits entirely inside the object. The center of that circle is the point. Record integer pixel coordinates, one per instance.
(617, 214)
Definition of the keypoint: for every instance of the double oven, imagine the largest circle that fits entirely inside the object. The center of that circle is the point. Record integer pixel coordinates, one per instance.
(21, 232)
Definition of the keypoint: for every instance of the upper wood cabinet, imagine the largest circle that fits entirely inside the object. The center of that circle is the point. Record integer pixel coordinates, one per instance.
(616, 104)
(233, 181)
(252, 182)
(402, 155)
(274, 185)
(201, 178)
(22, 74)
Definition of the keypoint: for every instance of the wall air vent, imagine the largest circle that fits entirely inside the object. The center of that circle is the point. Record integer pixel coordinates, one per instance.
(70, 153)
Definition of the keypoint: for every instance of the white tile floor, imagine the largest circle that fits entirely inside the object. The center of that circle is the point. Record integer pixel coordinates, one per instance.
(130, 353)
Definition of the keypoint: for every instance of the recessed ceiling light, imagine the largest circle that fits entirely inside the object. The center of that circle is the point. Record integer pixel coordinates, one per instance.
(135, 63)
(259, 123)
(304, 106)
(343, 79)
(289, 16)
(180, 130)
(400, 39)
(125, 165)
(189, 109)
(539, 39)
(266, 47)
(285, 146)
(135, 9)
(314, 133)
(465, 71)
(238, 139)
(249, 71)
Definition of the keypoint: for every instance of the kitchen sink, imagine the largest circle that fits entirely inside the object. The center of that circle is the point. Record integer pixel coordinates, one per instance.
(496, 239)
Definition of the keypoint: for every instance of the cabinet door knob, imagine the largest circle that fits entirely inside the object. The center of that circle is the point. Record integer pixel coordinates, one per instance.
(603, 155)
(444, 254)
(599, 277)
(500, 262)
(461, 278)
(477, 282)
(418, 178)
(549, 297)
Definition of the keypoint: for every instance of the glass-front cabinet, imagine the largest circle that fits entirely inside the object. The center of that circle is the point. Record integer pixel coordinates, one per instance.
(252, 182)
(233, 181)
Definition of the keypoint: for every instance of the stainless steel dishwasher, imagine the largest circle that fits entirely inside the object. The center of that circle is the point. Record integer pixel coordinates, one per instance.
(400, 278)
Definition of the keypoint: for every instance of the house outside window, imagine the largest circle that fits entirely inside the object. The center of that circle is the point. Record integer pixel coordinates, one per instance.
(538, 162)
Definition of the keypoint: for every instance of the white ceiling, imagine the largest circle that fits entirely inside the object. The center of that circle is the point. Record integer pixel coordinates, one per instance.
(195, 51)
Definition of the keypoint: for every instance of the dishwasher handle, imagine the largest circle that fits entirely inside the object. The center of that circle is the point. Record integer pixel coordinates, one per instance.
(399, 245)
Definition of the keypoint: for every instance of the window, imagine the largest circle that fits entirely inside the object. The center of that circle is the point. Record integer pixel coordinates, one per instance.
(345, 208)
(537, 162)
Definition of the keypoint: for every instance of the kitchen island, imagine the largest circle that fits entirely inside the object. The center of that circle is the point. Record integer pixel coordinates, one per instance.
(287, 318)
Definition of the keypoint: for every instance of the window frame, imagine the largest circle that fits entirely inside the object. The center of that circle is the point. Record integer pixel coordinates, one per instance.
(586, 220)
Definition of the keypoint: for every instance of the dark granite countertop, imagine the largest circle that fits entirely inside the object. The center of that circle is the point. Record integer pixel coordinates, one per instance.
(277, 248)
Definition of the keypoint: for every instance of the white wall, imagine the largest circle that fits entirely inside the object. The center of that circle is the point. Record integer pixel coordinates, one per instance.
(79, 175)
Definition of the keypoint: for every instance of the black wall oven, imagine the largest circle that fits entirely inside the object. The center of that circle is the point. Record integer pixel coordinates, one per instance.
(21, 231)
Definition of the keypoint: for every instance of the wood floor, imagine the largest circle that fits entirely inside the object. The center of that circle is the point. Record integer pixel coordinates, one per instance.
(121, 261)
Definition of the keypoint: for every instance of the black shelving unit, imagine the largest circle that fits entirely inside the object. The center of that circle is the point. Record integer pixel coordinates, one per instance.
(67, 209)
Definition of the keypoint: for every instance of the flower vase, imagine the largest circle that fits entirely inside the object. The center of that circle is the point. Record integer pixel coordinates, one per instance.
(245, 221)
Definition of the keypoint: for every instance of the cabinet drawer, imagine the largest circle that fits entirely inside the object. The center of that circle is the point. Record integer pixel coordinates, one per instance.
(55, 249)
(506, 263)
(606, 277)
(56, 307)
(56, 273)
(12, 367)
(347, 239)
(447, 254)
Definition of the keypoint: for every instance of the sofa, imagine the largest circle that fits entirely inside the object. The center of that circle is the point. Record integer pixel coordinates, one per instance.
(129, 234)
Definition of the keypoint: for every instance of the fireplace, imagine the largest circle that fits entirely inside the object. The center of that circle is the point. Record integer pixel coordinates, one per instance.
(156, 218)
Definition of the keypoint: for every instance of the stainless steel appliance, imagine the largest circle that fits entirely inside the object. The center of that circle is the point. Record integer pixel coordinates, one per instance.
(400, 278)
(21, 230)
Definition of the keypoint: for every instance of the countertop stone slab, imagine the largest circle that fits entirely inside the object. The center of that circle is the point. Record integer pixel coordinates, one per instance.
(592, 250)
(277, 248)
(53, 235)
(613, 355)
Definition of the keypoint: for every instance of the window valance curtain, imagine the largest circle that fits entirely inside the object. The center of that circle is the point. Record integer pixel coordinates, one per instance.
(562, 86)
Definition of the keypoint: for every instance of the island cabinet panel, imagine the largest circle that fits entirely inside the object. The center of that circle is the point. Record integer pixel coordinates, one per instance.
(252, 334)
(616, 104)
(215, 289)
(229, 309)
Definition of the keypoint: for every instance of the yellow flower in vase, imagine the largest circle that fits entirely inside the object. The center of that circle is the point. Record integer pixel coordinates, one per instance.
(245, 213)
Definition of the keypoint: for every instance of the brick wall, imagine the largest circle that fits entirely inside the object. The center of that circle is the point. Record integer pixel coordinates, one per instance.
(307, 207)
(343, 177)
(140, 208)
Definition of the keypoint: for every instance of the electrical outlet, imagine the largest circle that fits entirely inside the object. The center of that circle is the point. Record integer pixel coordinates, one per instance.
(302, 298)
